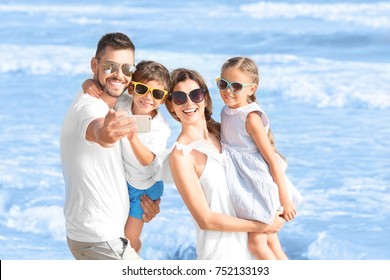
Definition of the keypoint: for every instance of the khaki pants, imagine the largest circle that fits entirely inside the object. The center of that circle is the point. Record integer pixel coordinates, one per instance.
(117, 249)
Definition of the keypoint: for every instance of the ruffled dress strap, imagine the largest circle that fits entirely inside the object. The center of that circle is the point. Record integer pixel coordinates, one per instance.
(201, 146)
(161, 162)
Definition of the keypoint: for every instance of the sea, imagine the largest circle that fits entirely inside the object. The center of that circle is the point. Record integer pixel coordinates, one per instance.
(324, 83)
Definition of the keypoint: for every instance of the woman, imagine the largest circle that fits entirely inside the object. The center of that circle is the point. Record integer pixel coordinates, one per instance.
(196, 164)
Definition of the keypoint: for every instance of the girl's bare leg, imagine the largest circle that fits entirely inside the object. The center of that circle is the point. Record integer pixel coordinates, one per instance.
(276, 247)
(258, 246)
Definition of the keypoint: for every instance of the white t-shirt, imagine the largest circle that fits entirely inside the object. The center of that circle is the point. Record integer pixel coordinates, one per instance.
(139, 176)
(96, 203)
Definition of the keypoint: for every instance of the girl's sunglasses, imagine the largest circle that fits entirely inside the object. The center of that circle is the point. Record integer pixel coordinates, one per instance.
(141, 89)
(180, 97)
(110, 67)
(235, 87)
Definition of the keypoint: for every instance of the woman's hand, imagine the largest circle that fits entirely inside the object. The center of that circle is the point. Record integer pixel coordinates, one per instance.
(276, 226)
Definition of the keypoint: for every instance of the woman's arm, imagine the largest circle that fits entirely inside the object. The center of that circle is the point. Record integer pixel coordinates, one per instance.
(255, 128)
(184, 173)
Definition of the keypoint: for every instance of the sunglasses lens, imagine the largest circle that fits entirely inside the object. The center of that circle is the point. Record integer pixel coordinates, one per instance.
(196, 95)
(128, 70)
(236, 87)
(179, 97)
(222, 84)
(141, 89)
(110, 68)
(158, 94)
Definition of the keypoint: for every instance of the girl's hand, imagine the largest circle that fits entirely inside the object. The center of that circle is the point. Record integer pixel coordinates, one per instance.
(289, 211)
(92, 88)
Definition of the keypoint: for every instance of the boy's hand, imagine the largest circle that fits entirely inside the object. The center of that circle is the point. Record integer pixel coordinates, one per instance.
(92, 88)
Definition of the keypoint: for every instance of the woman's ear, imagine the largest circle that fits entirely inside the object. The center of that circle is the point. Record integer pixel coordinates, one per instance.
(169, 106)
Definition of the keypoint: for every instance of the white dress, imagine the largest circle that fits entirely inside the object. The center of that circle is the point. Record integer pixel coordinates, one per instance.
(216, 245)
(254, 193)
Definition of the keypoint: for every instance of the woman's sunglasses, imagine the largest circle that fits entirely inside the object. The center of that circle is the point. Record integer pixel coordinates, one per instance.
(110, 67)
(180, 97)
(235, 87)
(141, 89)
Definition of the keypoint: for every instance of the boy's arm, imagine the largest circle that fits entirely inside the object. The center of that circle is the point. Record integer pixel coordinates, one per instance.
(142, 153)
(92, 88)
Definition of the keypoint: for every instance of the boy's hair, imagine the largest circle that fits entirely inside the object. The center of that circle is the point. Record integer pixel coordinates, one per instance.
(117, 41)
(181, 75)
(148, 70)
(246, 65)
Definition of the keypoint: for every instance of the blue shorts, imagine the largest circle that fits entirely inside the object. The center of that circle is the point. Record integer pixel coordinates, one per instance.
(154, 192)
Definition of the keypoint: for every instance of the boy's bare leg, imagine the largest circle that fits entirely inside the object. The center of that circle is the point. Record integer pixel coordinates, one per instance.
(133, 229)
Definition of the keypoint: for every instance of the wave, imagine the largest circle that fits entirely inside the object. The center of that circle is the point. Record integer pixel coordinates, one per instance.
(322, 82)
(368, 14)
(374, 15)
(328, 247)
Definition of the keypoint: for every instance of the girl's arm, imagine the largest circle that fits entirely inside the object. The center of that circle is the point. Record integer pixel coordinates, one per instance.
(183, 169)
(92, 88)
(142, 153)
(255, 128)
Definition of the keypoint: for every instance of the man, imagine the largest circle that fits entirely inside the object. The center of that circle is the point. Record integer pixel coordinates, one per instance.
(97, 203)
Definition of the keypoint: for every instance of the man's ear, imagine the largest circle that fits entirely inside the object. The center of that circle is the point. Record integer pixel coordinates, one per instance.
(94, 65)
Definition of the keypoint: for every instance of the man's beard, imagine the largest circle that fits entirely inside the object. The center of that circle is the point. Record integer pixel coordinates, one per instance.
(108, 92)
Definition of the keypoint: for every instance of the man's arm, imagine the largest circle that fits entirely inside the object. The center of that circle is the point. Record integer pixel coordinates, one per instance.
(108, 130)
(151, 208)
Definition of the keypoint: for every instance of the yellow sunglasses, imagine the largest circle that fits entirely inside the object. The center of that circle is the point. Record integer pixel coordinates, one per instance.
(142, 89)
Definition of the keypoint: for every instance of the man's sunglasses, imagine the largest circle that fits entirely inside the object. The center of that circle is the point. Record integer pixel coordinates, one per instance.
(141, 89)
(235, 87)
(112, 67)
(180, 97)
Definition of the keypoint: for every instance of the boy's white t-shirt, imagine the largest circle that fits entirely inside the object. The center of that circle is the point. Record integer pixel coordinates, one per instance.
(137, 175)
(97, 203)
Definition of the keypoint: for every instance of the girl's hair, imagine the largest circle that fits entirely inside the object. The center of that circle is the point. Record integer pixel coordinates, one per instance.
(181, 75)
(246, 65)
(117, 41)
(148, 70)
(249, 67)
(272, 141)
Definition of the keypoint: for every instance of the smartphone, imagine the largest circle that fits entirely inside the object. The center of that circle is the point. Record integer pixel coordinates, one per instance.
(144, 122)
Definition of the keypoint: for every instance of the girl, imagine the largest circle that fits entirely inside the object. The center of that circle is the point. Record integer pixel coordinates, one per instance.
(257, 183)
(197, 168)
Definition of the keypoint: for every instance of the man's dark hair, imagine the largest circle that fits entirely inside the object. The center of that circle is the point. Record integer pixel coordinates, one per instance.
(116, 40)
